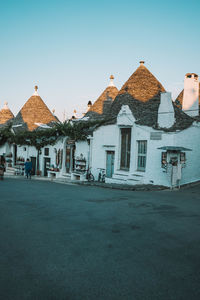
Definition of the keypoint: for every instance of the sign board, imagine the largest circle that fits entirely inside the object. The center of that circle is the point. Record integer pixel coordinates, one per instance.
(155, 135)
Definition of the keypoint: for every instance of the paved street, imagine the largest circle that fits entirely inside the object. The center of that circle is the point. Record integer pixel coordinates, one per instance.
(76, 242)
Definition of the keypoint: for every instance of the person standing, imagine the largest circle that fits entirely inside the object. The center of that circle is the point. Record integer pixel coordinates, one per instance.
(28, 168)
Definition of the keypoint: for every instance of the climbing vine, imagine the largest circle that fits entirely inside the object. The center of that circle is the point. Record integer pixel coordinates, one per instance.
(40, 138)
(6, 135)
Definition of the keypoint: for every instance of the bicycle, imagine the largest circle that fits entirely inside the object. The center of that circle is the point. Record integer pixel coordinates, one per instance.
(102, 175)
(89, 175)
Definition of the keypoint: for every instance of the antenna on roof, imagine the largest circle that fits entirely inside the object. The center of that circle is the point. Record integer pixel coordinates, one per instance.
(36, 92)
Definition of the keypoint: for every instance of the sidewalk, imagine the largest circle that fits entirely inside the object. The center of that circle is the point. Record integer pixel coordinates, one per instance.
(139, 187)
(142, 187)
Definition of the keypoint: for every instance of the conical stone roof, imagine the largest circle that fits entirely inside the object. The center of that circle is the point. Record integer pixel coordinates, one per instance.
(139, 92)
(179, 99)
(142, 85)
(5, 114)
(33, 113)
(102, 105)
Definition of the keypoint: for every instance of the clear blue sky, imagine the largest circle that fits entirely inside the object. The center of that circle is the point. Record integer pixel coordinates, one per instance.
(70, 48)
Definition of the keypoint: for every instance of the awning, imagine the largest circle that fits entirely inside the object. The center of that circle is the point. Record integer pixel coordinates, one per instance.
(174, 148)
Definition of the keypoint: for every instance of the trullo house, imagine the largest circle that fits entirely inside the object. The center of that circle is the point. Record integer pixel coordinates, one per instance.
(33, 116)
(147, 139)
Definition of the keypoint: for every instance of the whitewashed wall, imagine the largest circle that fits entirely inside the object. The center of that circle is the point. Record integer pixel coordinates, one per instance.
(26, 152)
(108, 138)
(187, 138)
(105, 138)
(5, 149)
(83, 148)
(52, 154)
(29, 151)
(190, 138)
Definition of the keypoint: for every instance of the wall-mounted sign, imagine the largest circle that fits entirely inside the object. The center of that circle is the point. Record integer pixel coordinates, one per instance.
(155, 136)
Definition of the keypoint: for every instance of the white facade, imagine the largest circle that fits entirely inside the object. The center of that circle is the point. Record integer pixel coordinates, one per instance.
(107, 139)
(5, 149)
(47, 156)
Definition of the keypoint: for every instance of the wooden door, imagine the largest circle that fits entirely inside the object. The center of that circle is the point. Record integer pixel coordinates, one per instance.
(110, 159)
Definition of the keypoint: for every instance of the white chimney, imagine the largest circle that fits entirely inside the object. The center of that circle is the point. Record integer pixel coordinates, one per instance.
(166, 116)
(191, 95)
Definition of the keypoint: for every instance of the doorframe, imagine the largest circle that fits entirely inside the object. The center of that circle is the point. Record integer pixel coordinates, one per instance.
(113, 152)
(49, 158)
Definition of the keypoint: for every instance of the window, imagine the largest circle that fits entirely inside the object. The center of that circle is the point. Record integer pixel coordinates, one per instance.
(142, 152)
(182, 158)
(46, 151)
(125, 148)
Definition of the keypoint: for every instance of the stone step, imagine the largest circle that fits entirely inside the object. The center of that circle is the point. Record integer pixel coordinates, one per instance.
(121, 174)
(137, 175)
(132, 179)
(10, 168)
(66, 176)
(117, 178)
(10, 171)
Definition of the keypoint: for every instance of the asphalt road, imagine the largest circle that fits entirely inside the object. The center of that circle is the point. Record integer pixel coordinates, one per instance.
(78, 242)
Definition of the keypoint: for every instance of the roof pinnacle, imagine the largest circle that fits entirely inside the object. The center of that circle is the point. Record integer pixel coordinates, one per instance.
(36, 92)
(5, 105)
(111, 80)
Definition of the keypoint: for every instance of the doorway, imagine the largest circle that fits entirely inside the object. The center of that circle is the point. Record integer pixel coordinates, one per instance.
(46, 165)
(33, 160)
(110, 159)
(69, 163)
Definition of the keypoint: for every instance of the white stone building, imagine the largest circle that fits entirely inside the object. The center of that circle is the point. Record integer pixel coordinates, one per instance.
(34, 115)
(147, 139)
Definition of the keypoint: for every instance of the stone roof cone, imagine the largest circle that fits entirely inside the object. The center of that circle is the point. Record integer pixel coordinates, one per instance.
(142, 93)
(33, 113)
(5, 114)
(97, 109)
(142, 85)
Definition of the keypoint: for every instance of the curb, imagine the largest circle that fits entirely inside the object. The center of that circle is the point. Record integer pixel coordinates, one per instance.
(95, 183)
(147, 187)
